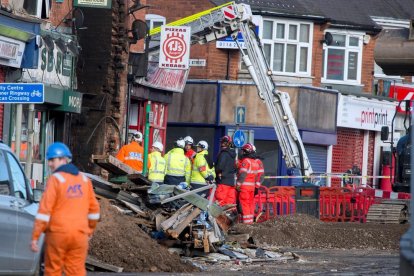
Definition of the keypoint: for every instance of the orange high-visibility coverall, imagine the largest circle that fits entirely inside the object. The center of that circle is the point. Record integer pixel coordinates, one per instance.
(249, 174)
(132, 155)
(68, 213)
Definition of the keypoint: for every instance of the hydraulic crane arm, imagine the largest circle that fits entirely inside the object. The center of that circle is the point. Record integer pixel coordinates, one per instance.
(214, 24)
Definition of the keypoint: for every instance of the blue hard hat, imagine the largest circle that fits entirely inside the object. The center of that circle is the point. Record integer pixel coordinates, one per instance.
(58, 150)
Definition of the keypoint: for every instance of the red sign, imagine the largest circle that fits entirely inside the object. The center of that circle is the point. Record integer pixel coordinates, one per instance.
(175, 47)
(229, 13)
(402, 92)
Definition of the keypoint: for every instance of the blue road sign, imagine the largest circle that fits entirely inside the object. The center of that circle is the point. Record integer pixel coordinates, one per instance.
(240, 114)
(239, 138)
(24, 93)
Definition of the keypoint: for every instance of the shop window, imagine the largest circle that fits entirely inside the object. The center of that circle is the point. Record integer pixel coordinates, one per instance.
(287, 46)
(154, 21)
(342, 59)
(38, 8)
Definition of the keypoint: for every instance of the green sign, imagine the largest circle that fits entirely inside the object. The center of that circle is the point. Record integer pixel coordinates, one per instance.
(72, 102)
(105, 4)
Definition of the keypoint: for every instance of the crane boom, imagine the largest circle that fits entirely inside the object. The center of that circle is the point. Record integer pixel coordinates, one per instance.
(212, 25)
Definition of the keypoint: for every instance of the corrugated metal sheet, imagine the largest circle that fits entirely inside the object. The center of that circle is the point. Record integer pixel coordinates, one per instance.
(317, 156)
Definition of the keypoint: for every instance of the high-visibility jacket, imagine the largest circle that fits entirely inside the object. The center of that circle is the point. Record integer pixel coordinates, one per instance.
(68, 205)
(156, 167)
(201, 170)
(177, 164)
(248, 173)
(260, 173)
(132, 155)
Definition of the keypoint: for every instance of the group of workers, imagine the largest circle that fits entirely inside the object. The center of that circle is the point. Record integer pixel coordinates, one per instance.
(69, 212)
(237, 180)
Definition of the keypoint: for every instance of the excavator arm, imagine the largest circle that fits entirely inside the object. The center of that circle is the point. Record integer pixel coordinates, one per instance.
(214, 24)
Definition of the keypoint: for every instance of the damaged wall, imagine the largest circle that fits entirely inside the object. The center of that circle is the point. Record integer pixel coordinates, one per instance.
(102, 78)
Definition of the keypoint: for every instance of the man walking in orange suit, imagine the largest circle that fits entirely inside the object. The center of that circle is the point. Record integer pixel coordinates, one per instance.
(68, 214)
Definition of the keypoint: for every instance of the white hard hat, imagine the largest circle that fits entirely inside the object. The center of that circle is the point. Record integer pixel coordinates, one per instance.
(203, 145)
(158, 145)
(188, 140)
(180, 143)
(136, 135)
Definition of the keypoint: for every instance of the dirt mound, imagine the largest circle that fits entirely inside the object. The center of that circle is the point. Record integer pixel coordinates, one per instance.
(119, 241)
(303, 231)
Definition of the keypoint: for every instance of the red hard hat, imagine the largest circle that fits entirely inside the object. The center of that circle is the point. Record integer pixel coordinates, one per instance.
(226, 139)
(249, 148)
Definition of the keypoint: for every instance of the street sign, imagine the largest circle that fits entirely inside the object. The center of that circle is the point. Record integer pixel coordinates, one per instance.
(238, 138)
(175, 47)
(240, 114)
(24, 93)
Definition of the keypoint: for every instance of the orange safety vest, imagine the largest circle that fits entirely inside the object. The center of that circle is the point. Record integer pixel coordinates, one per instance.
(132, 155)
(68, 205)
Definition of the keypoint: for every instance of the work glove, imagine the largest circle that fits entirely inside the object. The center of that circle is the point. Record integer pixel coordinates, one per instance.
(210, 178)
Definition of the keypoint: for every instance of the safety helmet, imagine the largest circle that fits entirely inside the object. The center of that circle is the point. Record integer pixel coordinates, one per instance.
(225, 139)
(188, 140)
(203, 144)
(249, 148)
(136, 135)
(158, 145)
(58, 150)
(180, 143)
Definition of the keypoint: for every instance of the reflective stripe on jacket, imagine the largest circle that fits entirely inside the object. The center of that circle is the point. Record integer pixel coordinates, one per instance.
(201, 169)
(68, 205)
(177, 164)
(156, 170)
(248, 172)
(132, 155)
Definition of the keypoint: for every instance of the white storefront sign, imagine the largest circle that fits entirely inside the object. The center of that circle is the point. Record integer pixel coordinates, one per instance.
(363, 113)
(54, 68)
(175, 47)
(11, 51)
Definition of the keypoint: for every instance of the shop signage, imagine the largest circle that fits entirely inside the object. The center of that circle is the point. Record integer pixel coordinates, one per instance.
(11, 52)
(105, 4)
(72, 102)
(363, 113)
(55, 68)
(25, 93)
(164, 79)
(175, 47)
(197, 63)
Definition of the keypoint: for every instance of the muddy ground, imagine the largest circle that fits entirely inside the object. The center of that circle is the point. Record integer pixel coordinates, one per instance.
(324, 248)
(119, 241)
(302, 231)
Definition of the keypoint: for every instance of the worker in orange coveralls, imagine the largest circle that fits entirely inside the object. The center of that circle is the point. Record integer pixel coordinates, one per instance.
(249, 178)
(133, 153)
(68, 214)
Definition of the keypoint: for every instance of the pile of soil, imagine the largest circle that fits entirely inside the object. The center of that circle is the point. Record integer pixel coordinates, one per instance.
(303, 231)
(119, 241)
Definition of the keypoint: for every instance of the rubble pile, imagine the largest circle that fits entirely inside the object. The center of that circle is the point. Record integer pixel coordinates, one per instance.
(119, 241)
(303, 231)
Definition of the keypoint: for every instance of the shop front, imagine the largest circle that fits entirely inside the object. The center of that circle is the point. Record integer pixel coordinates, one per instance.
(359, 146)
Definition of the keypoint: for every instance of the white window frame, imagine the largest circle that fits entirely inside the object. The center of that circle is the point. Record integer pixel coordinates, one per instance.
(347, 48)
(286, 41)
(39, 5)
(154, 18)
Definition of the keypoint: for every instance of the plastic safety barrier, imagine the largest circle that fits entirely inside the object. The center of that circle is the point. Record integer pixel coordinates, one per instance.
(335, 204)
(273, 202)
